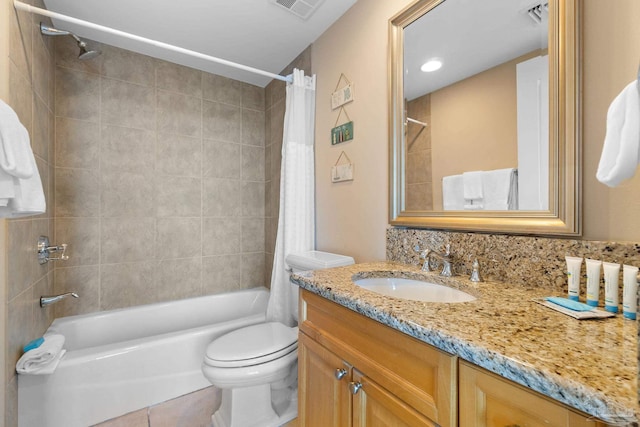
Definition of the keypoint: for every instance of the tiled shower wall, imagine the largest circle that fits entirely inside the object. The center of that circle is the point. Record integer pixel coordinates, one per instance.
(419, 174)
(31, 96)
(160, 181)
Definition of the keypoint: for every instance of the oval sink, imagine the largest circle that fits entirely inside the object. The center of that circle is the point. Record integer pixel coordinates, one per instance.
(415, 290)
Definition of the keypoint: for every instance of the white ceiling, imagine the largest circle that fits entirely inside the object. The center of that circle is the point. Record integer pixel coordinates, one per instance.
(470, 36)
(257, 33)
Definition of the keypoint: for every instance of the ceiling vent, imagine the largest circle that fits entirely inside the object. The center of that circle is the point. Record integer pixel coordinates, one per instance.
(301, 8)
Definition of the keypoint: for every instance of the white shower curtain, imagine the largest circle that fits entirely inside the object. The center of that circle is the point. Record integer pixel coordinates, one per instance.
(296, 222)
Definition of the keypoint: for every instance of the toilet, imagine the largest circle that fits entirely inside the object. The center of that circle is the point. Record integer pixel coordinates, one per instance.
(256, 366)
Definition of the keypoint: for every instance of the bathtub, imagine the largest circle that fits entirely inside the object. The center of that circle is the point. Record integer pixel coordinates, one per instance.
(122, 360)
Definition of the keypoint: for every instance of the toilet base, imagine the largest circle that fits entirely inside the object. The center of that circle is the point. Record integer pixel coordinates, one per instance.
(252, 407)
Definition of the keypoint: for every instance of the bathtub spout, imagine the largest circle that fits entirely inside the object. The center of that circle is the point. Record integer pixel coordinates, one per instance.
(44, 301)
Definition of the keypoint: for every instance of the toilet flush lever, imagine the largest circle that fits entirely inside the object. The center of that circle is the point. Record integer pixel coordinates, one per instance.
(44, 251)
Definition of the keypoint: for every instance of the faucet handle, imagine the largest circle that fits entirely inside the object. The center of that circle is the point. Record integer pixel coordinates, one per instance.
(475, 273)
(447, 249)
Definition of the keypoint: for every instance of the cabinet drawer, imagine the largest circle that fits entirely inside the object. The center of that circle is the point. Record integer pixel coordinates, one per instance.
(417, 373)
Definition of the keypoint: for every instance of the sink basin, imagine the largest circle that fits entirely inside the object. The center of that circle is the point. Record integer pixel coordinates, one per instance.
(415, 290)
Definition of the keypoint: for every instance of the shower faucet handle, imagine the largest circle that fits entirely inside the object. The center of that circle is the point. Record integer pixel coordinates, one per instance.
(44, 250)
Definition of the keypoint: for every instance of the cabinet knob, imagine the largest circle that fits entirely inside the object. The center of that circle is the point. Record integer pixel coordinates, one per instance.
(355, 387)
(340, 373)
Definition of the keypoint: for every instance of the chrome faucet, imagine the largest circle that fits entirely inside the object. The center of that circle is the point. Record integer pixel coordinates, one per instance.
(44, 301)
(445, 258)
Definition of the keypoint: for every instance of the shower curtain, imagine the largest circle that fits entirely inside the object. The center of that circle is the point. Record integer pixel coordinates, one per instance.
(296, 221)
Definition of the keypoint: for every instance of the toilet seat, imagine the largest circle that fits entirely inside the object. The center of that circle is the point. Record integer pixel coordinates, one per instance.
(252, 345)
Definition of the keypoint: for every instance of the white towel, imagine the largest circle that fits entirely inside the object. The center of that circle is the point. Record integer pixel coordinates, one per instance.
(621, 150)
(44, 359)
(472, 185)
(500, 188)
(452, 196)
(21, 192)
(15, 147)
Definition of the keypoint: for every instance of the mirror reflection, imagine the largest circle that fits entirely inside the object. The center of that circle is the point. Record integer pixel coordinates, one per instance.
(476, 107)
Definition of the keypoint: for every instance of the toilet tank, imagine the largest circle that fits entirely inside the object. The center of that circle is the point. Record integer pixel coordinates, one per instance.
(316, 260)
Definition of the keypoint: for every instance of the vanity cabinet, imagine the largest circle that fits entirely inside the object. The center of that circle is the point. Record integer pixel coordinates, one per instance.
(354, 371)
(488, 400)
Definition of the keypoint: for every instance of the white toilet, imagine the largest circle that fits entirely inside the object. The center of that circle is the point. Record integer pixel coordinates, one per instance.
(256, 366)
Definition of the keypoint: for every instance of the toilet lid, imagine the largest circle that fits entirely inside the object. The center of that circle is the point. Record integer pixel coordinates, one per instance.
(252, 345)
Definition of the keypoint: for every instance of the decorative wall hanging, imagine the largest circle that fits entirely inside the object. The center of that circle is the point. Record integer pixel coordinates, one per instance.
(343, 132)
(343, 95)
(342, 171)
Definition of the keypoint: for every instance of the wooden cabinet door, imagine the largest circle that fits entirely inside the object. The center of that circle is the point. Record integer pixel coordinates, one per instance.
(487, 400)
(324, 399)
(373, 406)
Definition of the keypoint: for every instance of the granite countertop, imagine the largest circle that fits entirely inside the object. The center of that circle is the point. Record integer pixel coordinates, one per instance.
(590, 365)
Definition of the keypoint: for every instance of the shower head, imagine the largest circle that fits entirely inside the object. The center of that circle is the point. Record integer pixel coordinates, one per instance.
(84, 52)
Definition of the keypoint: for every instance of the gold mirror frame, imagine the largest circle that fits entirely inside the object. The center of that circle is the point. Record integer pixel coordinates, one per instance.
(564, 218)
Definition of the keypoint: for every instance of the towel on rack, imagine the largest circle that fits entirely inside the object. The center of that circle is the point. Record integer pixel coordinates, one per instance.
(21, 192)
(452, 195)
(621, 150)
(500, 188)
(43, 359)
(472, 185)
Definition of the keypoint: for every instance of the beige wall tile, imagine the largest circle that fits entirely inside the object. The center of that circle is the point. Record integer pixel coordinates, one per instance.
(20, 269)
(221, 122)
(83, 280)
(253, 97)
(253, 127)
(177, 279)
(41, 68)
(220, 236)
(178, 238)
(20, 97)
(77, 95)
(178, 78)
(77, 143)
(127, 150)
(127, 104)
(253, 199)
(252, 270)
(220, 273)
(193, 410)
(121, 64)
(418, 167)
(127, 194)
(20, 317)
(82, 235)
(42, 316)
(126, 239)
(253, 235)
(179, 114)
(221, 89)
(20, 41)
(77, 193)
(40, 133)
(11, 415)
(222, 159)
(221, 198)
(127, 285)
(179, 196)
(252, 163)
(179, 155)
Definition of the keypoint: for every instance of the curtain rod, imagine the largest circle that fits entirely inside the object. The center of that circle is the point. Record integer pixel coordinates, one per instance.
(43, 12)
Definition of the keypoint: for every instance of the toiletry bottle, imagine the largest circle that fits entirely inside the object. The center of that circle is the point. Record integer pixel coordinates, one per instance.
(611, 273)
(593, 281)
(629, 291)
(574, 264)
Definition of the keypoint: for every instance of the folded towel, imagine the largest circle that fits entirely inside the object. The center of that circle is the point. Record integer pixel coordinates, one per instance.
(472, 185)
(621, 150)
(452, 197)
(43, 359)
(28, 198)
(15, 147)
(500, 189)
(473, 205)
(7, 191)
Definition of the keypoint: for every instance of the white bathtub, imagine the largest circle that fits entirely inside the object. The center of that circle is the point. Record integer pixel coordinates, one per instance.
(122, 360)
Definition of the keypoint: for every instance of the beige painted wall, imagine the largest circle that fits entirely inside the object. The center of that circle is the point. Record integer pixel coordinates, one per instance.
(352, 217)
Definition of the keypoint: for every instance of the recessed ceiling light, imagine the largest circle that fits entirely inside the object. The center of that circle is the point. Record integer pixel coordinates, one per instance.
(431, 65)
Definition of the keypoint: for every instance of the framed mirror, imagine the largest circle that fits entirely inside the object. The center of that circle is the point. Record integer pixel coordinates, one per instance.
(489, 140)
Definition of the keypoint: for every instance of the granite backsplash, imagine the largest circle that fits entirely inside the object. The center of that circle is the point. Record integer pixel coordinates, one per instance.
(526, 260)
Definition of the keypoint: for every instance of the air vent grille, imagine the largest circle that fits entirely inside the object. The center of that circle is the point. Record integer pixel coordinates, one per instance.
(301, 8)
